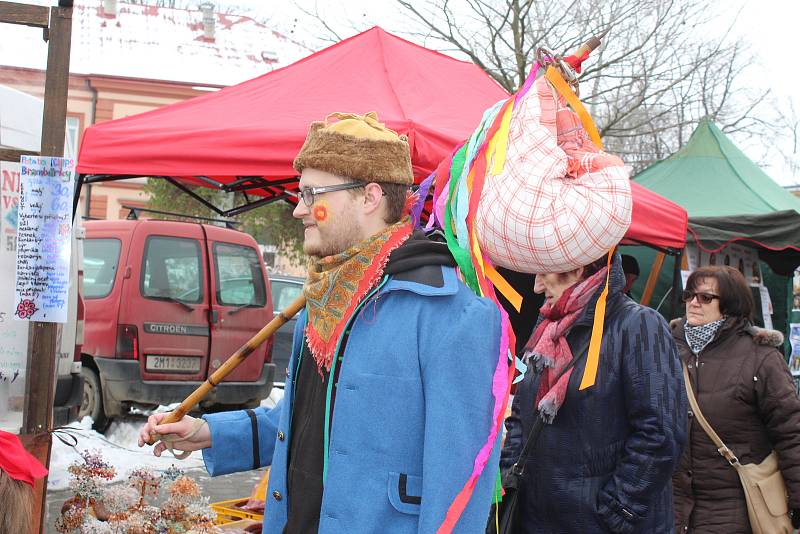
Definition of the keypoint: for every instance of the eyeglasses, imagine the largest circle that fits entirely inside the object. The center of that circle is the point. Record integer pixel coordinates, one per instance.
(702, 298)
(308, 194)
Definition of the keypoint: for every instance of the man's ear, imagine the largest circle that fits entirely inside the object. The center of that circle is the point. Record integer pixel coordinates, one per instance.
(373, 193)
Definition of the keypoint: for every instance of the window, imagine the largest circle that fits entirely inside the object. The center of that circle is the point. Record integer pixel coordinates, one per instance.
(240, 281)
(284, 293)
(71, 136)
(100, 261)
(172, 269)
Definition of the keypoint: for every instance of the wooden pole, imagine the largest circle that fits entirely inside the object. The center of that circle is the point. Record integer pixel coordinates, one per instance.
(43, 337)
(650, 286)
(231, 363)
(675, 307)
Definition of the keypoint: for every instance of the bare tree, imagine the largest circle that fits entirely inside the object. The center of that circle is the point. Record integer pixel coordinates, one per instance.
(663, 67)
(665, 64)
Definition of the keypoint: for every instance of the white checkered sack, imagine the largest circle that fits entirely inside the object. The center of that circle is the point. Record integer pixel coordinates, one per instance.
(559, 203)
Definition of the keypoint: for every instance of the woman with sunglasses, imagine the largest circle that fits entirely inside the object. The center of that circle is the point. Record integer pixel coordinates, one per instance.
(744, 390)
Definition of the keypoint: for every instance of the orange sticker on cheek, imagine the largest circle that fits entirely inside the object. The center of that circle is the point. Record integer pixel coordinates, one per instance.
(321, 212)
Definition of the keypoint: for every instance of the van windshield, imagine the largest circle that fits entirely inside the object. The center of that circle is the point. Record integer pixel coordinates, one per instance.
(240, 280)
(172, 269)
(100, 261)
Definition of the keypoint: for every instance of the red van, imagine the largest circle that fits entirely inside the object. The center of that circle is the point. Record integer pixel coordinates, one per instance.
(166, 303)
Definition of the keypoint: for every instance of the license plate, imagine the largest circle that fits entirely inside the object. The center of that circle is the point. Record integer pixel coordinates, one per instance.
(172, 364)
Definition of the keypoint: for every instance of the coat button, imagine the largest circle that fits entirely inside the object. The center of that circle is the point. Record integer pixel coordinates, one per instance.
(691, 414)
(281, 436)
(689, 472)
(277, 495)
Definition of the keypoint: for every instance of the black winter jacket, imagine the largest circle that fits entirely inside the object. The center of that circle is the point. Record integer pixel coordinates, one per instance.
(605, 463)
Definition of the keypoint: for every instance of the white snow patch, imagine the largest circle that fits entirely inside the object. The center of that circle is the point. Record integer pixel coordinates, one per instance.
(161, 409)
(119, 448)
(274, 396)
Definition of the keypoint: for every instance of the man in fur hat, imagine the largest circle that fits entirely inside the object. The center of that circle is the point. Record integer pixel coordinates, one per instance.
(389, 395)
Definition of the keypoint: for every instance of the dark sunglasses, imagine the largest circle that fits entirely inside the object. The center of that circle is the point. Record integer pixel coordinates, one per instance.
(702, 298)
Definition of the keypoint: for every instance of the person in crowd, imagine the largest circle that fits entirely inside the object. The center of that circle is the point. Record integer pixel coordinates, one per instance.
(745, 391)
(18, 471)
(605, 455)
(389, 398)
(630, 267)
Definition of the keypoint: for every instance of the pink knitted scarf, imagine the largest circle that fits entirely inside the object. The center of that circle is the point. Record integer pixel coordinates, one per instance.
(548, 349)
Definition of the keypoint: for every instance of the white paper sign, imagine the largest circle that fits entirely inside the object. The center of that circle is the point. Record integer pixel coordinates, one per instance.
(742, 258)
(794, 340)
(685, 278)
(44, 229)
(766, 306)
(13, 334)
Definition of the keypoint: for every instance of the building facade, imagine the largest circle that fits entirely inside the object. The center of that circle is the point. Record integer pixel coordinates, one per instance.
(130, 58)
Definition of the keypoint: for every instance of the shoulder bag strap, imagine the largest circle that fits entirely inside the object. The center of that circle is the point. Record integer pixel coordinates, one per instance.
(721, 447)
(533, 435)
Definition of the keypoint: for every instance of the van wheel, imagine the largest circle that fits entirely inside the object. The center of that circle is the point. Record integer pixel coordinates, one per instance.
(92, 404)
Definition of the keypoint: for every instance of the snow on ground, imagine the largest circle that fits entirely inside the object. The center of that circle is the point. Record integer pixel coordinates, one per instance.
(272, 400)
(119, 447)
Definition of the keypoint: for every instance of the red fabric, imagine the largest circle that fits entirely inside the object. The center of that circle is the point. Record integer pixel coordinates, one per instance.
(575, 62)
(656, 220)
(18, 463)
(257, 127)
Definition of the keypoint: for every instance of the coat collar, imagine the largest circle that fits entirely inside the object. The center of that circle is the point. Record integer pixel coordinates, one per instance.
(761, 336)
(616, 283)
(427, 281)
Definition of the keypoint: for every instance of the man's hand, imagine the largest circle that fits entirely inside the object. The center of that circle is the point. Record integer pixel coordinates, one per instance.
(188, 434)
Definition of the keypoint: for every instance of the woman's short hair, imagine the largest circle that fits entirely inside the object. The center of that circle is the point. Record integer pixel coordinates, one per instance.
(735, 298)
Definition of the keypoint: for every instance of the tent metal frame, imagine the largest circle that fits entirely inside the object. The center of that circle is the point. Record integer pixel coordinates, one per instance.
(275, 189)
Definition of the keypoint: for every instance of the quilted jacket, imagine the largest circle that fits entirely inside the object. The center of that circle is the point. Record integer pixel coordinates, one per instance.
(605, 463)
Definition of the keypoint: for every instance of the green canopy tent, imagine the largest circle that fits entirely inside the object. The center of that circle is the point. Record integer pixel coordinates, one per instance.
(729, 199)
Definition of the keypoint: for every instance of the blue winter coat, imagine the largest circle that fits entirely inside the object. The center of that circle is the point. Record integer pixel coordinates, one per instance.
(413, 408)
(605, 464)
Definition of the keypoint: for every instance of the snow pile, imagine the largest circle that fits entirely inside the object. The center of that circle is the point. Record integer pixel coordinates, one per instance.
(275, 395)
(118, 447)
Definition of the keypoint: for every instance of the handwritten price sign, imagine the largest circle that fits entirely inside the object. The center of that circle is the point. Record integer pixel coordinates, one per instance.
(44, 230)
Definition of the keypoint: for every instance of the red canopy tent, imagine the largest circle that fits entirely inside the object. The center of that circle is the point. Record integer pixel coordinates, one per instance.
(245, 137)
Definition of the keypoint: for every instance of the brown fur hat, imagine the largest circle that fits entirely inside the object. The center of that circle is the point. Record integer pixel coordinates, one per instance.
(357, 147)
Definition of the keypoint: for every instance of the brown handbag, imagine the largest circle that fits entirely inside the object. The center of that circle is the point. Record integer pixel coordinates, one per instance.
(764, 488)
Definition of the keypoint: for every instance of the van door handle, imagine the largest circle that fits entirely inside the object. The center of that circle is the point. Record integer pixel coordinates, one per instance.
(127, 273)
(213, 316)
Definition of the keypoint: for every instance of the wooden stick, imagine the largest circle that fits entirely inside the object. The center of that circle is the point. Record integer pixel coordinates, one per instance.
(652, 280)
(591, 44)
(231, 363)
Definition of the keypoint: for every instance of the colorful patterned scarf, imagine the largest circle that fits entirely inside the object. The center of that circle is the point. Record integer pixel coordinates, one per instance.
(336, 284)
(701, 335)
(548, 348)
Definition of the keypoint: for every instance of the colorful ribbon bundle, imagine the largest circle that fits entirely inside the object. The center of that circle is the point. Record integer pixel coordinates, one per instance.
(459, 184)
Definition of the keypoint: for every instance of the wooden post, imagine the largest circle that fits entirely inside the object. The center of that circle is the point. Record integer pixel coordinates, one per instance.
(675, 307)
(43, 337)
(650, 286)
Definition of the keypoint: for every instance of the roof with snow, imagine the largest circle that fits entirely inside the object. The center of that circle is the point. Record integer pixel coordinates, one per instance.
(158, 43)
